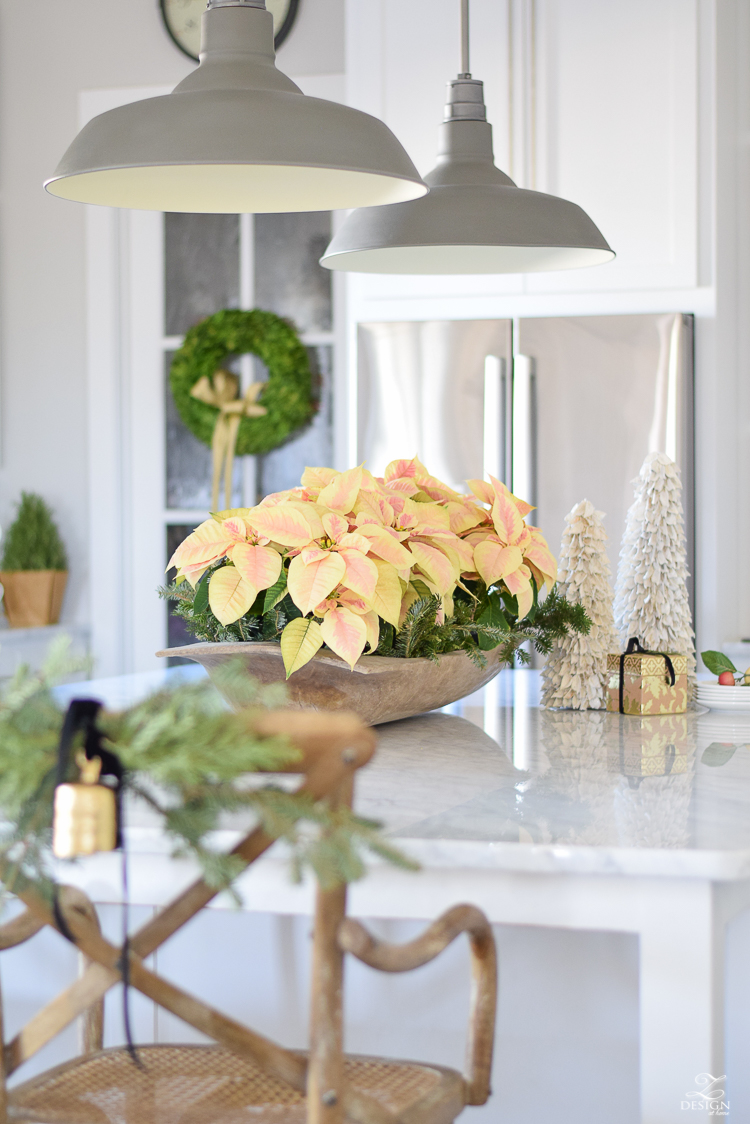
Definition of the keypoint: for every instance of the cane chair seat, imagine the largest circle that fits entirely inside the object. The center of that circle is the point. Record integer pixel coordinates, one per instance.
(210, 1085)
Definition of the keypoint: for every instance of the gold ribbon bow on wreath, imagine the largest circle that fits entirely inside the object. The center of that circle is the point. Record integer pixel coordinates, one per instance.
(223, 391)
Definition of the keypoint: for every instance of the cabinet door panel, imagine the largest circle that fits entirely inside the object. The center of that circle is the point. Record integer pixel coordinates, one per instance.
(616, 120)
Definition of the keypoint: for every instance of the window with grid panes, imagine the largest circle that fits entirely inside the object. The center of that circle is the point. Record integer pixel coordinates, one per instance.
(244, 261)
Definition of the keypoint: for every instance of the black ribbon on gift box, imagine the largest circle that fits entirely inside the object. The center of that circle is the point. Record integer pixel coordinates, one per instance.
(634, 645)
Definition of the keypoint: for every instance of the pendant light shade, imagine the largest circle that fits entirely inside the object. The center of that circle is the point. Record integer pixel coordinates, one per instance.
(236, 136)
(475, 219)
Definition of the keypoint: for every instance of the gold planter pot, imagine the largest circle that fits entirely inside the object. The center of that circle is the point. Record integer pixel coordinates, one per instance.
(33, 598)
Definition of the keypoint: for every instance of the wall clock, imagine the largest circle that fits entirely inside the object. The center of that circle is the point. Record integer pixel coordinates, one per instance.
(182, 19)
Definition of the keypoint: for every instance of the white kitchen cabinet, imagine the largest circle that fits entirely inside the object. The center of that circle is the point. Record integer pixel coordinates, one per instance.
(596, 102)
(616, 95)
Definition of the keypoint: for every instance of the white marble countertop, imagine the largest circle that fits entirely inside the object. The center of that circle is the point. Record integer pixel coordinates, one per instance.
(501, 784)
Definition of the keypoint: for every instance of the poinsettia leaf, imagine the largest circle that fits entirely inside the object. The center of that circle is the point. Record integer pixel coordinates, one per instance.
(345, 633)
(505, 515)
(200, 604)
(386, 599)
(276, 593)
(386, 546)
(492, 613)
(372, 624)
(300, 640)
(510, 602)
(493, 561)
(256, 609)
(260, 566)
(229, 595)
(289, 609)
(492, 618)
(341, 493)
(362, 575)
(434, 565)
(283, 523)
(205, 545)
(311, 584)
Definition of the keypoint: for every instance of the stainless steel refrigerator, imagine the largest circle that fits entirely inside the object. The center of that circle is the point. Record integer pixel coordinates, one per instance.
(562, 409)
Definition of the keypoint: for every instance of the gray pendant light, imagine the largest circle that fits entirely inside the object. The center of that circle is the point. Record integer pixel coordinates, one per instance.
(235, 136)
(475, 219)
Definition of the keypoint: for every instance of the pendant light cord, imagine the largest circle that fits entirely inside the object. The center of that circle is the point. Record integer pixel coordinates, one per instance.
(465, 68)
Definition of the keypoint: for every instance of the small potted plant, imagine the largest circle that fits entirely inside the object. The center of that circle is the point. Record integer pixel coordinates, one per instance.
(34, 566)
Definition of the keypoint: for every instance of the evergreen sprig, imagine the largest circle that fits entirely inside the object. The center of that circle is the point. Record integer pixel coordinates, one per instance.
(33, 541)
(190, 760)
(263, 621)
(483, 619)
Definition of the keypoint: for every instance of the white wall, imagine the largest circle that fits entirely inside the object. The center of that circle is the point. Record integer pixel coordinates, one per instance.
(49, 51)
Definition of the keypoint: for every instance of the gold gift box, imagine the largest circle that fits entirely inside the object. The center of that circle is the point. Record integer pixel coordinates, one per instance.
(652, 747)
(646, 687)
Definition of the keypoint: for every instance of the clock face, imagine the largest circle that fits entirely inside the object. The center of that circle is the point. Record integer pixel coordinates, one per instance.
(183, 21)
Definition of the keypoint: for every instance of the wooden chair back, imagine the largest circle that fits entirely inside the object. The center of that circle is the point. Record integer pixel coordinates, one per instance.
(331, 747)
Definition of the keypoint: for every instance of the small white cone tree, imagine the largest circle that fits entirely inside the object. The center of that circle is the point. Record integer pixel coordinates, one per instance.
(575, 675)
(651, 596)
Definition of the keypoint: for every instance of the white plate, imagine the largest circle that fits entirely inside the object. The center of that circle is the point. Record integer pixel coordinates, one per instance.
(736, 693)
(726, 693)
(723, 698)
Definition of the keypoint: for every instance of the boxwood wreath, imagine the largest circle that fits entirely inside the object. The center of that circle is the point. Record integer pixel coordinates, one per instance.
(287, 396)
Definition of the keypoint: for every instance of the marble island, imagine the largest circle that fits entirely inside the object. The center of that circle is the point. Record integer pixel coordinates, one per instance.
(589, 791)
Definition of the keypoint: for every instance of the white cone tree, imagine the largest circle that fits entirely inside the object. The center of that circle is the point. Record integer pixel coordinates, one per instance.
(651, 596)
(575, 675)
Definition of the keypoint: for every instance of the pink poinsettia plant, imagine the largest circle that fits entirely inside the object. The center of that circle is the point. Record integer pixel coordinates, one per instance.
(395, 565)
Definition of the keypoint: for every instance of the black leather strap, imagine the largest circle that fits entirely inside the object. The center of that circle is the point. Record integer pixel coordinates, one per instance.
(81, 717)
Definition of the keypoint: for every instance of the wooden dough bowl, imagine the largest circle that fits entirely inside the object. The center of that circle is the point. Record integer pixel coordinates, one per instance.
(379, 689)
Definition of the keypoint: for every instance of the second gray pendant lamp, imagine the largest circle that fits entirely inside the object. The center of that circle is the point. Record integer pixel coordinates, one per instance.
(475, 219)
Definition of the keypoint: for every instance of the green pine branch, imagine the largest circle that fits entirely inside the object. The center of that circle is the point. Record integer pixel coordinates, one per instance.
(483, 620)
(191, 760)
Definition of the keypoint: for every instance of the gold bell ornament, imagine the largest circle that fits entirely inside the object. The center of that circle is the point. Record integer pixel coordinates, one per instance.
(86, 812)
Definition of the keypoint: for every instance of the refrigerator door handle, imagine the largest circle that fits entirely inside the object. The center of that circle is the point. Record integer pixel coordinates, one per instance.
(493, 462)
(524, 429)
